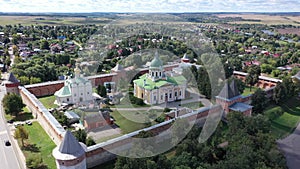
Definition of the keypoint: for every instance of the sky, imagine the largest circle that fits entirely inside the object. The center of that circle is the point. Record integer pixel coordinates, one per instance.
(149, 6)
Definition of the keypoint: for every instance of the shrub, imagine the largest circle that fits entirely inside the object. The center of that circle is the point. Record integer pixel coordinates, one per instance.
(274, 113)
(35, 161)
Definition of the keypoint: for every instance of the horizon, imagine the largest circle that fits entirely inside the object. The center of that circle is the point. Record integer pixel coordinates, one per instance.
(144, 6)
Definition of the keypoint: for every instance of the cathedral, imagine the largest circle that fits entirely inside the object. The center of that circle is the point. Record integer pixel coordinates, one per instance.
(75, 90)
(158, 86)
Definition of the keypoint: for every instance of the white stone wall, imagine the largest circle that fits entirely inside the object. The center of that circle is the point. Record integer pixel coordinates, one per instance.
(81, 165)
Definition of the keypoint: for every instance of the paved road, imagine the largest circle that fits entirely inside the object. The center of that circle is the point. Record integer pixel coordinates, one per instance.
(291, 148)
(8, 154)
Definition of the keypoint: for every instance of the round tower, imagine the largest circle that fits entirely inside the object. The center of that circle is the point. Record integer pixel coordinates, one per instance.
(70, 154)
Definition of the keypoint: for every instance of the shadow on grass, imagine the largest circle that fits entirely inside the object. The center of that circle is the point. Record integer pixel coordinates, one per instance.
(23, 117)
(282, 127)
(294, 110)
(31, 147)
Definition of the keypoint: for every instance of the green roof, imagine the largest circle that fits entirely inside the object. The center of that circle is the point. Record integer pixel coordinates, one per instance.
(156, 62)
(150, 85)
(80, 80)
(63, 92)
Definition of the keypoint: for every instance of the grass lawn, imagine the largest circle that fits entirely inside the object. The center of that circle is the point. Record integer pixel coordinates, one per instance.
(285, 123)
(23, 116)
(128, 120)
(39, 143)
(193, 105)
(247, 91)
(48, 101)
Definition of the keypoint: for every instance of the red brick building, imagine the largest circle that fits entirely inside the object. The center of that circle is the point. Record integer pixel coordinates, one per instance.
(231, 100)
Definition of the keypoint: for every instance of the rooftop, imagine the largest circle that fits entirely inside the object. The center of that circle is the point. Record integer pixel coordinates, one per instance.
(147, 83)
(156, 62)
(240, 107)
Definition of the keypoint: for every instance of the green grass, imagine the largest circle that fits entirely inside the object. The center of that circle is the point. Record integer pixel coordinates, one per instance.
(39, 143)
(284, 124)
(247, 91)
(130, 106)
(23, 116)
(193, 105)
(130, 121)
(48, 101)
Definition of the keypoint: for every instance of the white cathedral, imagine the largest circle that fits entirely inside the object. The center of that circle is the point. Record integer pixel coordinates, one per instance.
(75, 90)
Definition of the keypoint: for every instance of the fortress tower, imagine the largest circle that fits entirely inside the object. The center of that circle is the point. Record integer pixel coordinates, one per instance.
(70, 154)
(11, 84)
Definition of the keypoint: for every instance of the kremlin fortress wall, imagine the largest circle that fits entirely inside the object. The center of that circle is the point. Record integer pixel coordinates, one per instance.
(98, 154)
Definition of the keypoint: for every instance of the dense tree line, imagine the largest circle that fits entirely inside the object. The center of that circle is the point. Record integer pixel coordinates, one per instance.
(245, 143)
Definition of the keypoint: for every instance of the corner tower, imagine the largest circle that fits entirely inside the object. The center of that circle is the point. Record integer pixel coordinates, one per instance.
(11, 84)
(70, 154)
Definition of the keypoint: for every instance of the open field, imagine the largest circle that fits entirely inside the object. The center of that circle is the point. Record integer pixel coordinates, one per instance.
(264, 19)
(48, 20)
(39, 143)
(289, 31)
(285, 123)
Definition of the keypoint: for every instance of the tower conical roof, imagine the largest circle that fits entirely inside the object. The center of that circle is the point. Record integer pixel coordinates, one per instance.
(156, 62)
(226, 92)
(70, 145)
(234, 88)
(117, 68)
(12, 78)
(297, 76)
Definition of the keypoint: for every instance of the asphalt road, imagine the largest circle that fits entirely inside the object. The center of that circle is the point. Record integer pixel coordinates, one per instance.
(8, 154)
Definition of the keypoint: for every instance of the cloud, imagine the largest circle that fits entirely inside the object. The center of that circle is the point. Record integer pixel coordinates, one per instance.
(150, 6)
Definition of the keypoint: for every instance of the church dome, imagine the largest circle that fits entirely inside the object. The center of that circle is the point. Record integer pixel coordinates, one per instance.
(156, 62)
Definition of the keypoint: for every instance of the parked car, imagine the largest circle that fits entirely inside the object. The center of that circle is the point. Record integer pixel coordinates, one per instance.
(7, 143)
(10, 121)
(28, 122)
(16, 124)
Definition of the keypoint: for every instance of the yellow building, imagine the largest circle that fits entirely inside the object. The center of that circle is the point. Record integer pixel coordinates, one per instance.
(157, 86)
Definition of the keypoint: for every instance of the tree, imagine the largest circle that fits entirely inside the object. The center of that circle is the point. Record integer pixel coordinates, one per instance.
(228, 70)
(239, 83)
(279, 93)
(12, 104)
(45, 45)
(35, 162)
(259, 101)
(90, 141)
(22, 134)
(101, 90)
(253, 75)
(80, 135)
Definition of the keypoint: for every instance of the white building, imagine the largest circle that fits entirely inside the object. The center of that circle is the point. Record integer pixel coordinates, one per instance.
(75, 90)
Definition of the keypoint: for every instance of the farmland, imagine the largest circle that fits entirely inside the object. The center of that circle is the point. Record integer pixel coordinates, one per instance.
(264, 19)
(50, 20)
